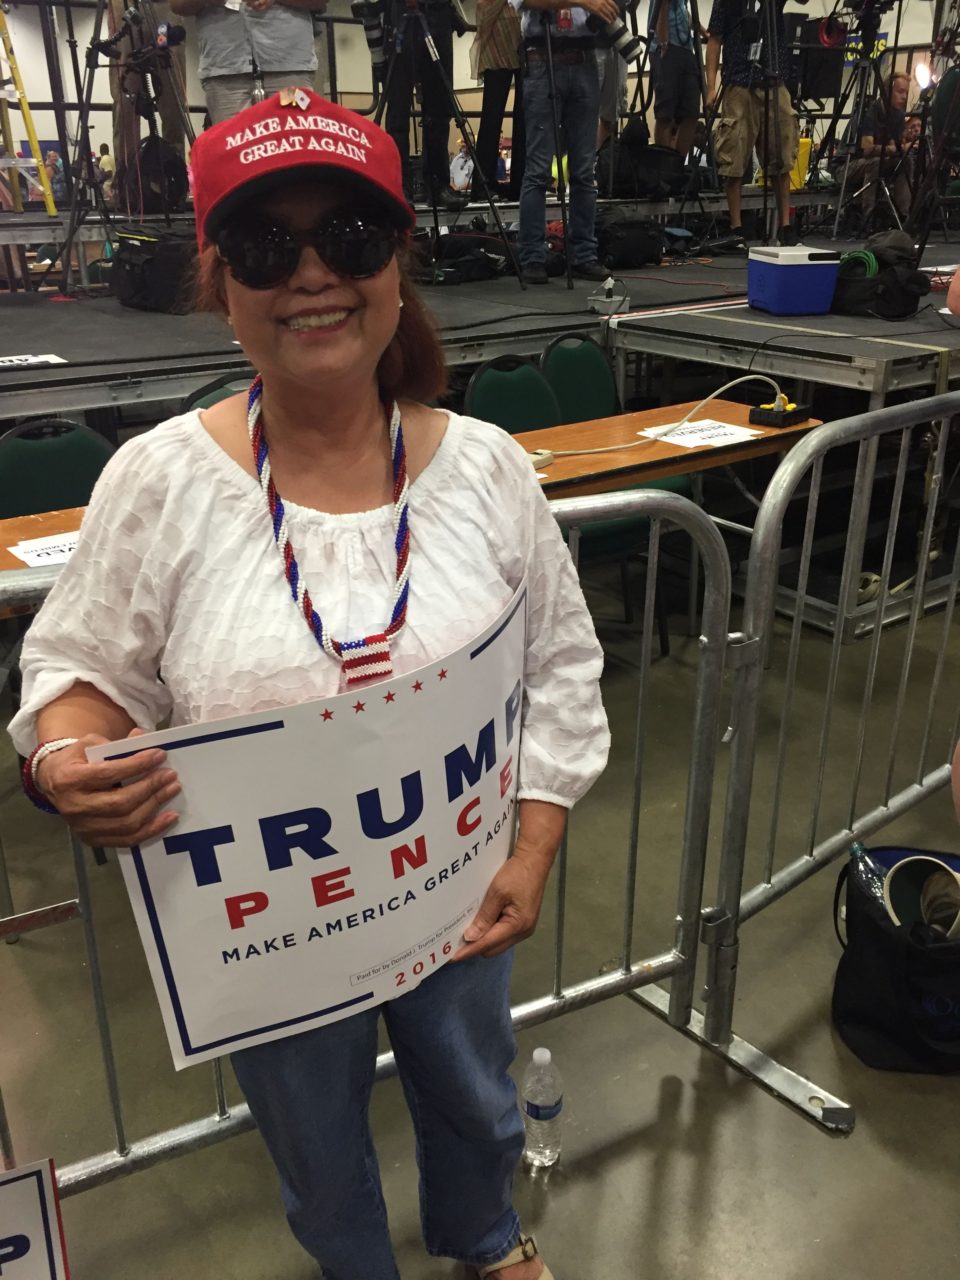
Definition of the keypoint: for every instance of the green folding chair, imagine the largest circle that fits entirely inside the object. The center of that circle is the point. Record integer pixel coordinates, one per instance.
(512, 392)
(579, 372)
(47, 464)
(211, 393)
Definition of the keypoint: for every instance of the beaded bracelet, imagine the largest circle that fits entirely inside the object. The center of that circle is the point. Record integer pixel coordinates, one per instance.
(28, 775)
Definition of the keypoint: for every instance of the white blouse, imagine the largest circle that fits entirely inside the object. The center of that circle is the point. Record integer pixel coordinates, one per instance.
(177, 572)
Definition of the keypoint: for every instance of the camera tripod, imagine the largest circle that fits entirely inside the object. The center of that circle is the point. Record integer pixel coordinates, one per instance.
(866, 74)
(928, 200)
(145, 59)
(404, 19)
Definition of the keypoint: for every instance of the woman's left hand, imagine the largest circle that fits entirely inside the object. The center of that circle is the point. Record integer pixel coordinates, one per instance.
(510, 908)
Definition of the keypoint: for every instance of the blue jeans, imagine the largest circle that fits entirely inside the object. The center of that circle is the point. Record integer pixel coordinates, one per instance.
(310, 1093)
(578, 109)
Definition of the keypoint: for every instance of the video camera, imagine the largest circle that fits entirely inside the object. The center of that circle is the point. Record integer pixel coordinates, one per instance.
(374, 16)
(617, 35)
(371, 13)
(168, 36)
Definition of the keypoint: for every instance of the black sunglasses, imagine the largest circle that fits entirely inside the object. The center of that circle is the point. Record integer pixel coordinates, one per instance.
(262, 253)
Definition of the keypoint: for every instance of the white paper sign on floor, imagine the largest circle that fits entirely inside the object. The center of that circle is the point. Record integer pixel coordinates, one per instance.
(16, 360)
(31, 1233)
(329, 855)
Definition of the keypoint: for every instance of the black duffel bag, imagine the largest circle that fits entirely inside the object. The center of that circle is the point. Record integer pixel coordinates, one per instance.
(882, 279)
(896, 996)
(153, 268)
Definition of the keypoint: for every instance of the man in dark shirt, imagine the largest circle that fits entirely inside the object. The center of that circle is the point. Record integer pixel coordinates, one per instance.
(748, 115)
(883, 151)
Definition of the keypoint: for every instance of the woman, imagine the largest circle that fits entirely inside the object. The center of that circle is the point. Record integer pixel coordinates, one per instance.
(300, 215)
(495, 59)
(58, 181)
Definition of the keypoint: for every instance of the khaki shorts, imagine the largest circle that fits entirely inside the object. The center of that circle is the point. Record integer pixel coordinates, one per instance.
(741, 128)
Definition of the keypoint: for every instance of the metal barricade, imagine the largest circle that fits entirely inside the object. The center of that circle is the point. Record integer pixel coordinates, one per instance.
(677, 963)
(898, 477)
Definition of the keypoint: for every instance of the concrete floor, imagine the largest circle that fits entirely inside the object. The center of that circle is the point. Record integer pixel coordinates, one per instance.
(673, 1168)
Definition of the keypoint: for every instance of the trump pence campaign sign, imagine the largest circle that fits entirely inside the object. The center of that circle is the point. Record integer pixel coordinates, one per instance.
(31, 1229)
(329, 855)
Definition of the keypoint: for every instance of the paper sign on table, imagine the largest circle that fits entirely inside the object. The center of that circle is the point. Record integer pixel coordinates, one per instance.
(705, 431)
(17, 360)
(328, 856)
(31, 1231)
(55, 548)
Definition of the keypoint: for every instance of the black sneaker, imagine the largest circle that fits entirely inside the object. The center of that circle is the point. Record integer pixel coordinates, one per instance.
(788, 236)
(590, 270)
(737, 241)
(534, 273)
(448, 199)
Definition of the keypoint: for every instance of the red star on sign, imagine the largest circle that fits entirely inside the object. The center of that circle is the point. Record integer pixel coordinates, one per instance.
(389, 697)
(359, 706)
(418, 686)
(327, 714)
(442, 674)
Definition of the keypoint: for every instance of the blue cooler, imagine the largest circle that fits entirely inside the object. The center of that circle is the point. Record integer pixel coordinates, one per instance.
(792, 281)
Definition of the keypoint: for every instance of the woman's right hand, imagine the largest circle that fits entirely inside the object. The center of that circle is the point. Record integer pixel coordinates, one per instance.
(116, 802)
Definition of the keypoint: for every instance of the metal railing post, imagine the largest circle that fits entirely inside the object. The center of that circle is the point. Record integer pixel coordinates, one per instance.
(721, 922)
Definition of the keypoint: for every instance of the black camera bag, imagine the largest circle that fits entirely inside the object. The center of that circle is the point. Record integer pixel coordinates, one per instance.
(896, 995)
(153, 268)
(627, 240)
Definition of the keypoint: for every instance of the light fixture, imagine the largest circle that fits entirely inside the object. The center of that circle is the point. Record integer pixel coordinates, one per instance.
(923, 75)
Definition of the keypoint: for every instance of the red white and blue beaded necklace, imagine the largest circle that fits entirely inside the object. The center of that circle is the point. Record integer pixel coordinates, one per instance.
(369, 657)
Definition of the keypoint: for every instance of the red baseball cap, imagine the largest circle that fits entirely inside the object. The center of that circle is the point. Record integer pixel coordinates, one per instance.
(294, 134)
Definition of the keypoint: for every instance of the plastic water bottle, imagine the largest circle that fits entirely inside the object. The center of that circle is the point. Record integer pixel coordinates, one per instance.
(869, 872)
(542, 1098)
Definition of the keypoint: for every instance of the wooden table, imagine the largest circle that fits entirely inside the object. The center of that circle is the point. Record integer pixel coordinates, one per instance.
(21, 528)
(653, 459)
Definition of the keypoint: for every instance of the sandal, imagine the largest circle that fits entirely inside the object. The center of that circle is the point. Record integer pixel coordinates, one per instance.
(525, 1250)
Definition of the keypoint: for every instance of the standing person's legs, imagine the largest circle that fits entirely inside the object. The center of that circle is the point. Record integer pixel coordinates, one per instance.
(613, 93)
(496, 90)
(274, 81)
(734, 136)
(226, 96)
(538, 116)
(663, 83)
(171, 81)
(580, 112)
(689, 95)
(437, 109)
(309, 1095)
(779, 141)
(454, 1044)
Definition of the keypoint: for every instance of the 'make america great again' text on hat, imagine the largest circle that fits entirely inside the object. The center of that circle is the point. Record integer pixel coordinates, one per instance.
(294, 134)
